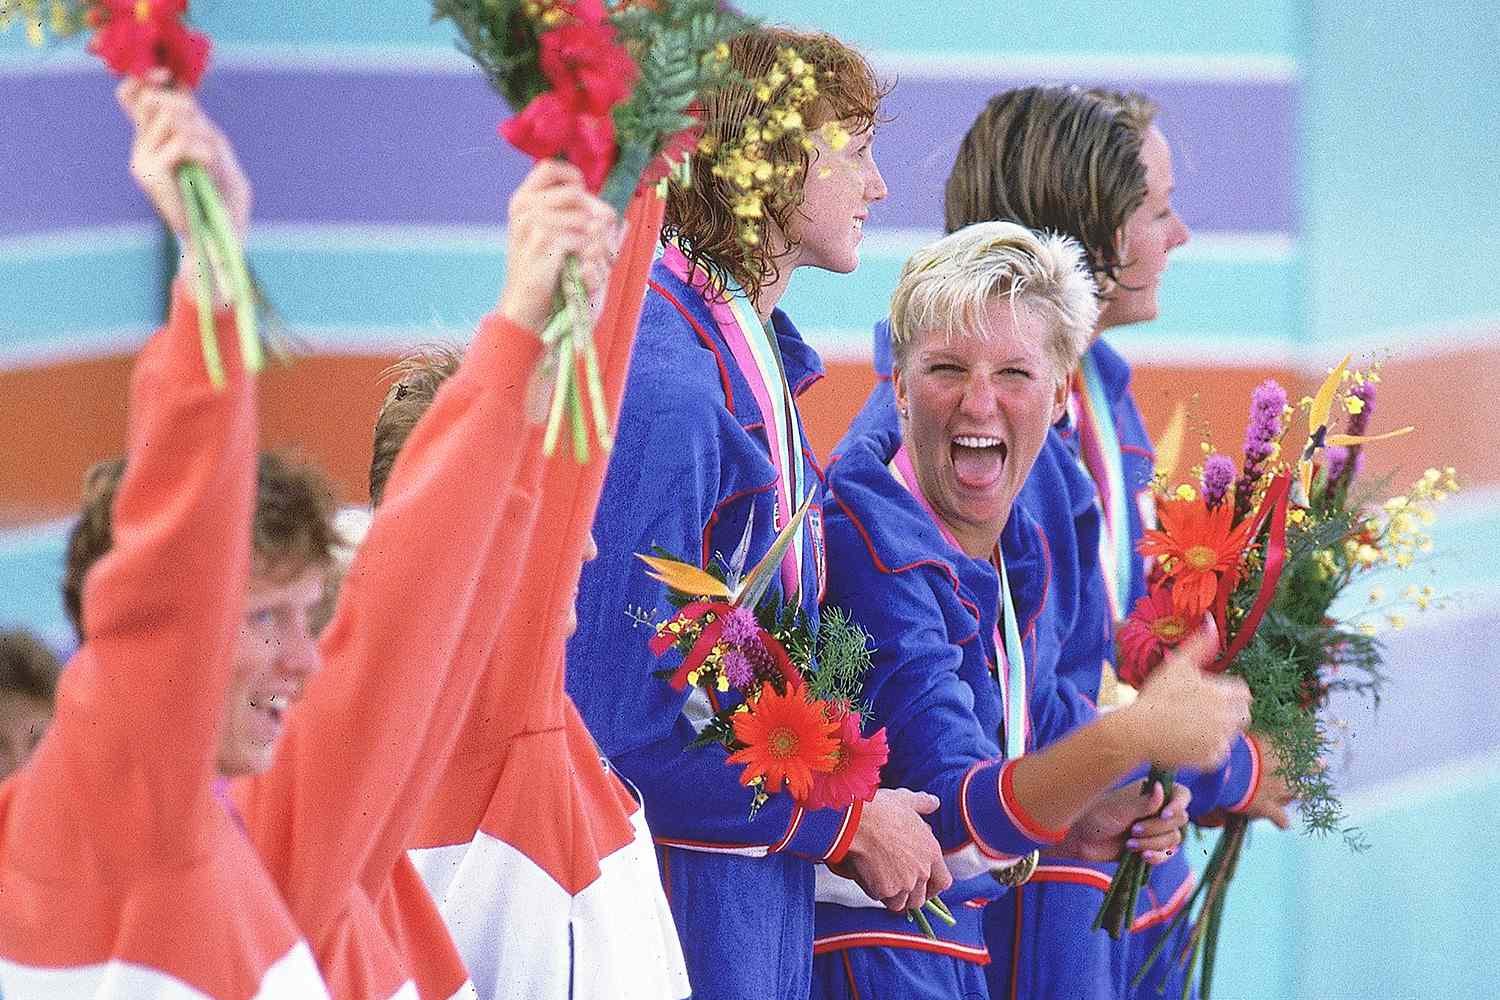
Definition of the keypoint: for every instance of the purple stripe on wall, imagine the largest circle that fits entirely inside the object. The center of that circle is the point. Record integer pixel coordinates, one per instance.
(358, 147)
(1233, 148)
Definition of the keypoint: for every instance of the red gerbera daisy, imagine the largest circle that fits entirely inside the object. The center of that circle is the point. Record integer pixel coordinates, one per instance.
(786, 738)
(1153, 627)
(1197, 546)
(855, 774)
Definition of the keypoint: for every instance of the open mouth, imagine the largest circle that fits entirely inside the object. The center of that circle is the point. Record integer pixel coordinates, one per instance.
(978, 461)
(270, 712)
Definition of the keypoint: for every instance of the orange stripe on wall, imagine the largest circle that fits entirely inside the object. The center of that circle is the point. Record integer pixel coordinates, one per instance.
(56, 421)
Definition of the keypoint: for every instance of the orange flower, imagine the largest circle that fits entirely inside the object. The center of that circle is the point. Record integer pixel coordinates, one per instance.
(1197, 546)
(786, 739)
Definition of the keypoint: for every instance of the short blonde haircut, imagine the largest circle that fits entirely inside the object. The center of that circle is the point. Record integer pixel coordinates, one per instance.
(947, 286)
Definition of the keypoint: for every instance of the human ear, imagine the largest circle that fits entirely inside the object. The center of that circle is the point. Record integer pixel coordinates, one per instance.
(1059, 399)
(898, 386)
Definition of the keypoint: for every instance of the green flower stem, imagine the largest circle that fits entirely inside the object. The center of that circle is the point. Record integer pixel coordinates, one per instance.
(569, 336)
(560, 392)
(242, 294)
(207, 335)
(940, 910)
(1235, 829)
(1117, 911)
(922, 922)
(580, 421)
(210, 253)
(583, 344)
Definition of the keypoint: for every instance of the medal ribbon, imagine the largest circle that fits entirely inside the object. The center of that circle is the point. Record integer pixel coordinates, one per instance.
(755, 352)
(1099, 444)
(1010, 671)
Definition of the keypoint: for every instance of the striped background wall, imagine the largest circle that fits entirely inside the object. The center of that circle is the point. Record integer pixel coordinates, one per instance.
(1337, 167)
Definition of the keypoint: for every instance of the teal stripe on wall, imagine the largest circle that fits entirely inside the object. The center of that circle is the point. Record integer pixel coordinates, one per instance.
(447, 278)
(1121, 26)
(59, 284)
(1401, 166)
(1408, 918)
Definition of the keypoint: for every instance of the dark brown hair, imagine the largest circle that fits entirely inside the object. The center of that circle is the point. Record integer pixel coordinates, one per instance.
(292, 527)
(26, 666)
(701, 216)
(1058, 158)
(418, 375)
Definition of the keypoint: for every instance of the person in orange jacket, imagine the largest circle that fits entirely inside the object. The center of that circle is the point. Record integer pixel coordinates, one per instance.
(122, 873)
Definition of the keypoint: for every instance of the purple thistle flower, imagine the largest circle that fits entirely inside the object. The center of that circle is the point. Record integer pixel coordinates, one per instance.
(1344, 463)
(1360, 422)
(1336, 459)
(1267, 404)
(737, 668)
(740, 627)
(1218, 475)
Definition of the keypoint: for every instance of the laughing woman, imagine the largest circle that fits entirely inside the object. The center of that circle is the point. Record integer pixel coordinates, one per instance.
(935, 560)
(1095, 166)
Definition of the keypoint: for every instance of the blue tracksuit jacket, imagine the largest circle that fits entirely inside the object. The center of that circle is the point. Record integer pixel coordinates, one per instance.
(1039, 939)
(689, 464)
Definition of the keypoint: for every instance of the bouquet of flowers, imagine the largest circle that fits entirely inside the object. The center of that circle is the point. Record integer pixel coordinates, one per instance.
(1263, 552)
(611, 89)
(134, 37)
(797, 725)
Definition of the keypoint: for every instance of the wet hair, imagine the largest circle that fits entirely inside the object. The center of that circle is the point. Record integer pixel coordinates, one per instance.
(416, 380)
(1057, 158)
(27, 666)
(700, 217)
(292, 527)
(947, 286)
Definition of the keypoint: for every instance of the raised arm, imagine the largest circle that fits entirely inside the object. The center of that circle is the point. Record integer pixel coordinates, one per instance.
(425, 595)
(136, 734)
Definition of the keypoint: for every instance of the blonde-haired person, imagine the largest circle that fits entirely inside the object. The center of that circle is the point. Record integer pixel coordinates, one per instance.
(950, 577)
(710, 433)
(1095, 166)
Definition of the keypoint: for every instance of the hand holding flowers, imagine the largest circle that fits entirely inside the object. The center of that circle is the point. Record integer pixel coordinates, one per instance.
(141, 38)
(608, 88)
(553, 216)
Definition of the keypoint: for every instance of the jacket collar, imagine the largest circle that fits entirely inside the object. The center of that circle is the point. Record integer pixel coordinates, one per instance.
(802, 364)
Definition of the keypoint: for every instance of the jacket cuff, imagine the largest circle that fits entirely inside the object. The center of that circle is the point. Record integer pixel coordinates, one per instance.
(820, 834)
(1230, 786)
(998, 824)
(1245, 771)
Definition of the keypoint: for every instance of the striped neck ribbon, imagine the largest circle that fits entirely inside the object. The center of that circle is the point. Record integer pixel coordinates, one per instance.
(753, 345)
(1099, 445)
(1010, 670)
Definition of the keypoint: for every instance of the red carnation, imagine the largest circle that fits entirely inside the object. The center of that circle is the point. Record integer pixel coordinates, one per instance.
(136, 36)
(1154, 627)
(549, 127)
(587, 67)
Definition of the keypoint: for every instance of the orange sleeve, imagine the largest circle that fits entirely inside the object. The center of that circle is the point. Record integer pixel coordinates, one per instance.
(444, 561)
(352, 743)
(532, 636)
(128, 764)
